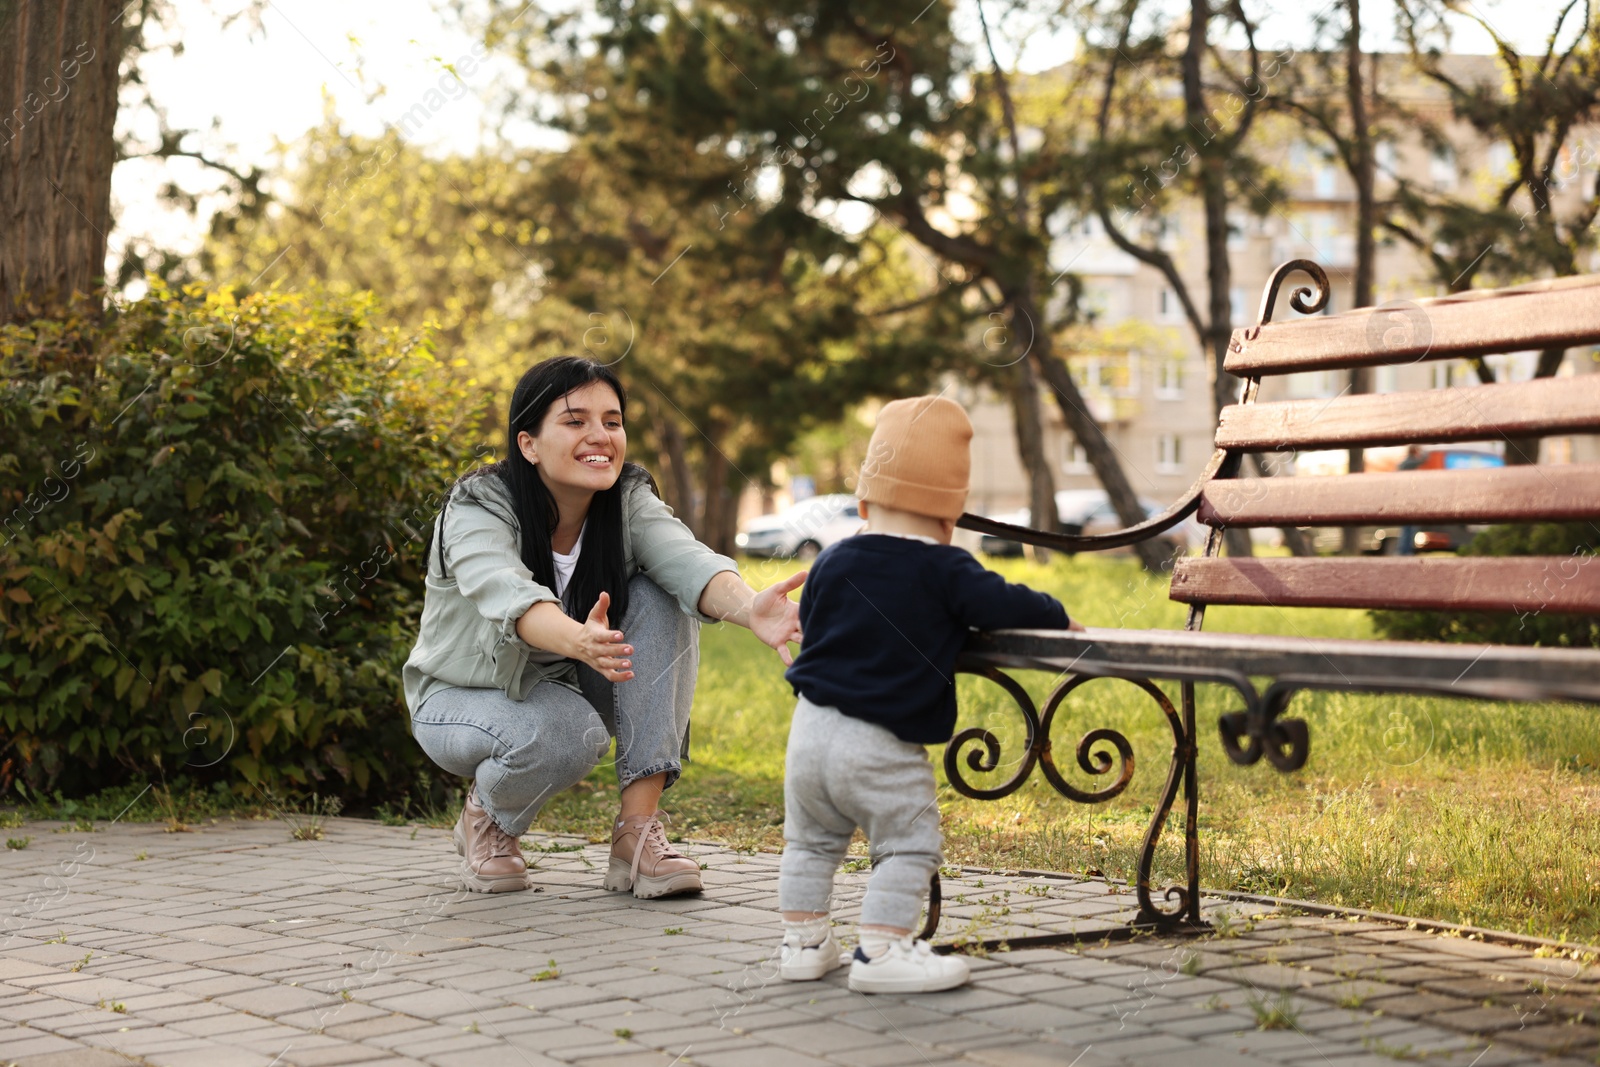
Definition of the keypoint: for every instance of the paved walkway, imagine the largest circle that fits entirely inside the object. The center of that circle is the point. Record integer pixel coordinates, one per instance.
(236, 946)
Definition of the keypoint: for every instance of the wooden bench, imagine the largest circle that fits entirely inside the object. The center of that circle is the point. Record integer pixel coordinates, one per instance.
(1559, 313)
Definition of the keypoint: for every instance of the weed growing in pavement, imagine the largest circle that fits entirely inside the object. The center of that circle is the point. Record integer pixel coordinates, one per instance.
(305, 818)
(17, 844)
(1274, 1013)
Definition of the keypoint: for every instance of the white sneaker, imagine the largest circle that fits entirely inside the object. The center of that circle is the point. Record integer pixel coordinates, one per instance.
(907, 967)
(807, 963)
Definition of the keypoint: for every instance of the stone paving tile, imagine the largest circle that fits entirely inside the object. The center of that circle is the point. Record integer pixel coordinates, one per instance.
(236, 945)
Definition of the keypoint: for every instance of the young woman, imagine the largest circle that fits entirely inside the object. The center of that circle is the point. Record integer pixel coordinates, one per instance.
(519, 679)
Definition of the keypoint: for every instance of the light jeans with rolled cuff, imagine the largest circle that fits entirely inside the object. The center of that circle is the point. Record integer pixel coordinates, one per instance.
(523, 752)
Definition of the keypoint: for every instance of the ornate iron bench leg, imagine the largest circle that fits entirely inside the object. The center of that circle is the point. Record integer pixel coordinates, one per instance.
(934, 899)
(1181, 773)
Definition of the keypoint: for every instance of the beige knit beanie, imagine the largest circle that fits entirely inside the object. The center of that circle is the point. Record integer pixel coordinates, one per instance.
(919, 458)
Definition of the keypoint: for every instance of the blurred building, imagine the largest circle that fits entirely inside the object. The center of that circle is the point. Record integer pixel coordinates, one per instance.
(1154, 397)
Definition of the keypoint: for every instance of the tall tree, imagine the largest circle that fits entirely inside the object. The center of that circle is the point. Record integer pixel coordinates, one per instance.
(818, 111)
(59, 63)
(1329, 94)
(513, 257)
(1530, 224)
(1149, 157)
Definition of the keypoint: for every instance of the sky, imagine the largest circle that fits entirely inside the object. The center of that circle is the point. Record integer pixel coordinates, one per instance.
(252, 90)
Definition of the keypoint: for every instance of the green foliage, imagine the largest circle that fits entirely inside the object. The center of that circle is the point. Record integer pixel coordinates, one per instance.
(1573, 545)
(213, 511)
(703, 301)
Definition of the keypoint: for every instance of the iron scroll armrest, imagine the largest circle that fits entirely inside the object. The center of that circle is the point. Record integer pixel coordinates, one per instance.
(1223, 464)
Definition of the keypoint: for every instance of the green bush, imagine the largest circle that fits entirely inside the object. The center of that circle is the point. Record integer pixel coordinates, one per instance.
(1574, 543)
(213, 513)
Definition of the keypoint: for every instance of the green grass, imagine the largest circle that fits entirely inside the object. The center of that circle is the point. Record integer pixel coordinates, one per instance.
(1467, 811)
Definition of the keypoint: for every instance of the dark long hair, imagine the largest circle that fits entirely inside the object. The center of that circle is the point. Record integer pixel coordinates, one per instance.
(534, 511)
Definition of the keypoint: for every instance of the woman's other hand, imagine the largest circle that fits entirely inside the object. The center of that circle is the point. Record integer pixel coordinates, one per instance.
(775, 618)
(601, 647)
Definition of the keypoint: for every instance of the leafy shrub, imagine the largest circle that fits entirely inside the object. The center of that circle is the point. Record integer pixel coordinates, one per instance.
(1575, 543)
(213, 513)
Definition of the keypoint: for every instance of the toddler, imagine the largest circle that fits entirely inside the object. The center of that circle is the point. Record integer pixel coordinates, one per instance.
(885, 613)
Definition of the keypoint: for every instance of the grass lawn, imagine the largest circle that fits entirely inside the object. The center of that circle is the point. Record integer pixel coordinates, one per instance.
(1473, 812)
(1480, 813)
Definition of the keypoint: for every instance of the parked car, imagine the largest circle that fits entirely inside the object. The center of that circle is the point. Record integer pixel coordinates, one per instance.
(1088, 512)
(803, 530)
(1426, 537)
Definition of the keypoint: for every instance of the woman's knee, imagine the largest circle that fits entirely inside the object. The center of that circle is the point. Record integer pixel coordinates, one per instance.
(529, 775)
(648, 601)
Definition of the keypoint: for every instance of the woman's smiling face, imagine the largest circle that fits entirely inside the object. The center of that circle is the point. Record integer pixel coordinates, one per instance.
(581, 443)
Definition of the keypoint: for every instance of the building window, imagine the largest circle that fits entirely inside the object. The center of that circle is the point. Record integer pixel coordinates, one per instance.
(1500, 159)
(1169, 380)
(1169, 454)
(1442, 167)
(1074, 460)
(1384, 158)
(1168, 308)
(1443, 375)
(1326, 181)
(1236, 232)
(1236, 305)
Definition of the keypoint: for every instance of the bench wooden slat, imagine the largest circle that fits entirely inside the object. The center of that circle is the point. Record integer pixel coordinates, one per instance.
(1563, 312)
(1564, 584)
(1467, 413)
(1489, 494)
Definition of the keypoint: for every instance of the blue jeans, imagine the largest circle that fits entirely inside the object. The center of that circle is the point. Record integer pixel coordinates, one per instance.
(520, 753)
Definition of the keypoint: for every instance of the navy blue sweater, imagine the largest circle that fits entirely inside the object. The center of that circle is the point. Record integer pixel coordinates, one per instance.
(884, 619)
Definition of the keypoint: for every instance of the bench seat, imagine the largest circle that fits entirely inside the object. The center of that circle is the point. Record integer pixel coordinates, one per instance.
(1472, 671)
(1266, 671)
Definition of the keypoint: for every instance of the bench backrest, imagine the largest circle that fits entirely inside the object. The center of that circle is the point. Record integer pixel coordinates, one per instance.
(1562, 313)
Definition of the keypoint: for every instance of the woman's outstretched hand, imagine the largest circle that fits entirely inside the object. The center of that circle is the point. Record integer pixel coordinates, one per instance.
(775, 618)
(601, 647)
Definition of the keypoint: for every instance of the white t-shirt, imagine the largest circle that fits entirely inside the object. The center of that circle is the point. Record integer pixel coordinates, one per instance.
(567, 563)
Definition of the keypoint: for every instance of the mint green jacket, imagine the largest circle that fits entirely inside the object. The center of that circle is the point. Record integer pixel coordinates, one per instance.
(469, 620)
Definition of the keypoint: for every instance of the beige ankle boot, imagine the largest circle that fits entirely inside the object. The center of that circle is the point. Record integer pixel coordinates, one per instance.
(491, 860)
(644, 861)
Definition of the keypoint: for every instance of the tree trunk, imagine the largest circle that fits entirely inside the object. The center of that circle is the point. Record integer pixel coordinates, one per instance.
(59, 64)
(714, 478)
(1075, 410)
(1029, 424)
(1294, 539)
(677, 481)
(1218, 327)
(1366, 220)
(1214, 201)
(1524, 451)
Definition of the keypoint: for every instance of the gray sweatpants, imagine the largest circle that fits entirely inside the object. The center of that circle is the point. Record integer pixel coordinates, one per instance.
(521, 753)
(843, 773)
